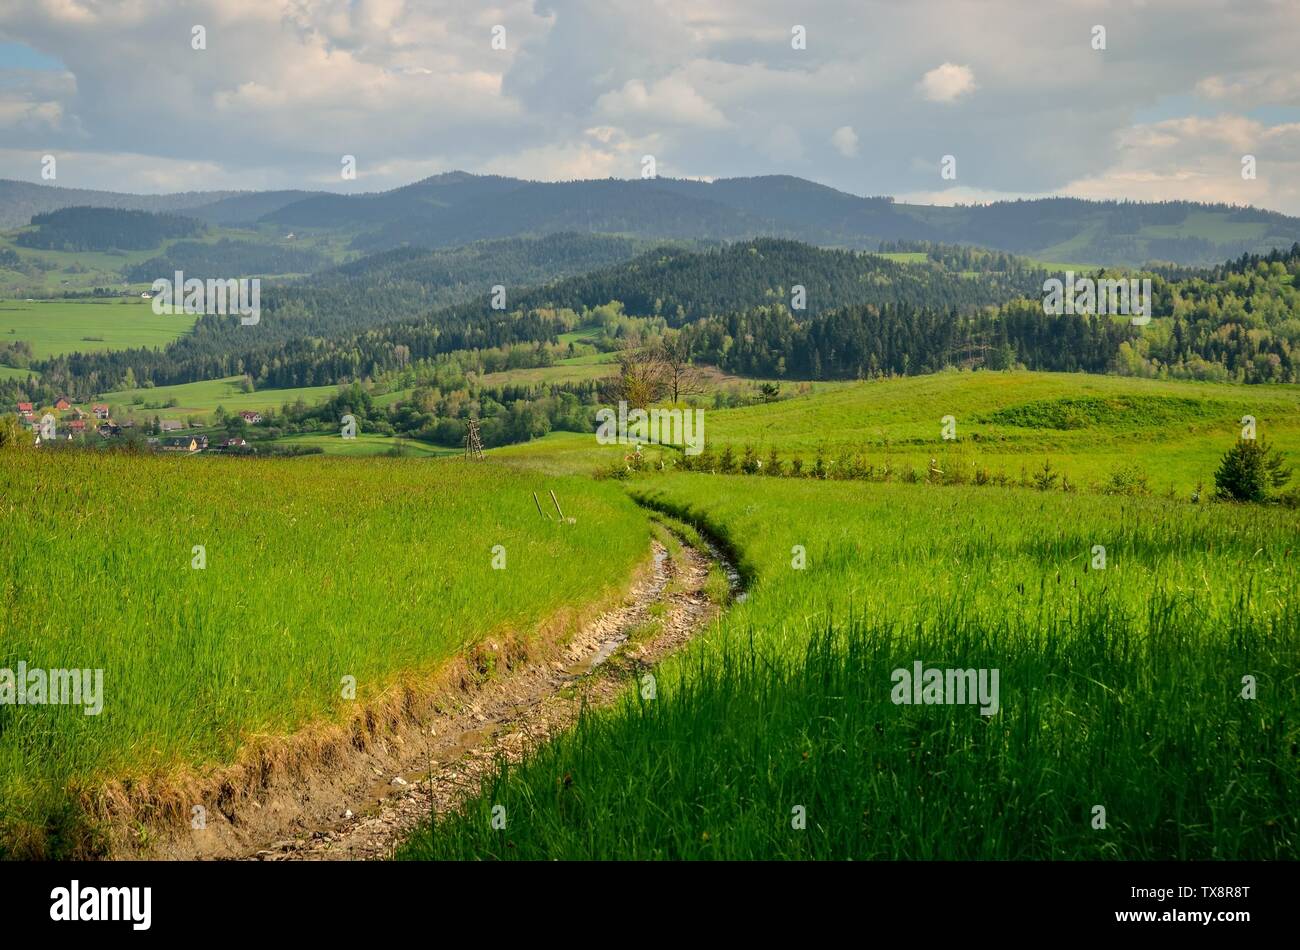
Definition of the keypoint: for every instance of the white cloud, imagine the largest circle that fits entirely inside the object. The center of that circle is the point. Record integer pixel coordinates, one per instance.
(845, 141)
(671, 101)
(947, 83)
(1199, 159)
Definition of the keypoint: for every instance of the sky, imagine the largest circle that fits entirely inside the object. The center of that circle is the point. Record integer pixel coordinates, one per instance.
(868, 97)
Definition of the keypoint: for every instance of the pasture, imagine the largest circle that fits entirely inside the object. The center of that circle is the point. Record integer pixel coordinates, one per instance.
(1121, 728)
(1087, 426)
(314, 569)
(55, 327)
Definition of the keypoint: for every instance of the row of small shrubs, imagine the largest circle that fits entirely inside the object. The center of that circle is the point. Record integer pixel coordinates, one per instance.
(1249, 471)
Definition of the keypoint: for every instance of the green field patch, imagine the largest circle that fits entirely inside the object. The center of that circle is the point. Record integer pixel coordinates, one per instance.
(1116, 412)
(56, 327)
(364, 445)
(315, 569)
(203, 398)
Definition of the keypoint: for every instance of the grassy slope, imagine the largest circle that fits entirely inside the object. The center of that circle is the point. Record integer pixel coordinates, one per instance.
(1009, 421)
(1118, 688)
(54, 327)
(316, 568)
(366, 445)
(202, 398)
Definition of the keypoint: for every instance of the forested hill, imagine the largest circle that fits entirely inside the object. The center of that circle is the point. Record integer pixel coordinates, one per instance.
(102, 229)
(1056, 229)
(457, 208)
(1237, 323)
(427, 300)
(682, 286)
(19, 200)
(405, 283)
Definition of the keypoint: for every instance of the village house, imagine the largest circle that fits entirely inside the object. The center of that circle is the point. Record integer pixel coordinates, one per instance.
(182, 444)
(100, 410)
(170, 425)
(62, 404)
(234, 443)
(108, 429)
(252, 418)
(25, 410)
(77, 426)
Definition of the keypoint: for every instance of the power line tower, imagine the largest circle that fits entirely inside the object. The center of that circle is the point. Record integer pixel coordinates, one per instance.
(473, 442)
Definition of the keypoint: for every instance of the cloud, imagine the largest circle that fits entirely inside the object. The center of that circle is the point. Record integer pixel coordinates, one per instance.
(669, 101)
(845, 141)
(1200, 159)
(586, 87)
(947, 83)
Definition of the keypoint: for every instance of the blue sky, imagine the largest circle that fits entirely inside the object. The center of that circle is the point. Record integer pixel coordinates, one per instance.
(1017, 91)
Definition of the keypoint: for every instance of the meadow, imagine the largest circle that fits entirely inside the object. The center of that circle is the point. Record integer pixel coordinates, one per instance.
(314, 569)
(365, 445)
(1121, 729)
(55, 327)
(203, 398)
(1086, 426)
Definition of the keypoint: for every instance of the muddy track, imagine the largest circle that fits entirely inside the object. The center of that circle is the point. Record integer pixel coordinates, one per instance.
(513, 713)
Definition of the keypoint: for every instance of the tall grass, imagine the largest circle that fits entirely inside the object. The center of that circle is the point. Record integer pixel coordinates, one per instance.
(1119, 688)
(316, 569)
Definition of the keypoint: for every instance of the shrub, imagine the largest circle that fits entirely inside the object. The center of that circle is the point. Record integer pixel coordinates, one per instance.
(1249, 471)
(1045, 478)
(1126, 480)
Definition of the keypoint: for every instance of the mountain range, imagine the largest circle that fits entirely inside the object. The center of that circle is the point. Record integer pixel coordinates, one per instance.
(456, 208)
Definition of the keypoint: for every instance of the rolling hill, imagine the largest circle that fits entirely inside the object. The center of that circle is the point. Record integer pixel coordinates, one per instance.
(457, 208)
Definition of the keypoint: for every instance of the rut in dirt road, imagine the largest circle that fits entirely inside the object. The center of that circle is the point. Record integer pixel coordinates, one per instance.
(507, 718)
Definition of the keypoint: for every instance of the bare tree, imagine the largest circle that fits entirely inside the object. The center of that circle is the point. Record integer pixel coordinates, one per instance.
(641, 378)
(681, 376)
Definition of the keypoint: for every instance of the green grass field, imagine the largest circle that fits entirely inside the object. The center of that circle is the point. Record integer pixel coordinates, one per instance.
(776, 735)
(1120, 687)
(54, 327)
(316, 569)
(1088, 426)
(366, 445)
(201, 399)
